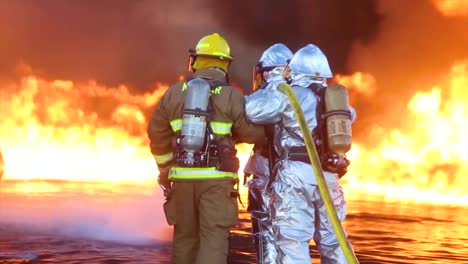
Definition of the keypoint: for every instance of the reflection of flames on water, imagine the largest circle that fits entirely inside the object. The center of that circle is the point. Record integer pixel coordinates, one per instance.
(60, 130)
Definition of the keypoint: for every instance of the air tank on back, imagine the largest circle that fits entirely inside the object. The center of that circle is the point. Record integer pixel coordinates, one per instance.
(338, 119)
(194, 119)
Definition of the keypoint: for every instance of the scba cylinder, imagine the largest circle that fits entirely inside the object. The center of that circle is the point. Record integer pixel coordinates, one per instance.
(195, 114)
(338, 119)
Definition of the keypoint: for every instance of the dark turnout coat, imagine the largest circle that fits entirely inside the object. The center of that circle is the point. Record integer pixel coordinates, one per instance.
(228, 123)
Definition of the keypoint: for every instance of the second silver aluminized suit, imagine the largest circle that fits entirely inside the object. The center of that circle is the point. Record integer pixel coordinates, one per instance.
(273, 62)
(297, 209)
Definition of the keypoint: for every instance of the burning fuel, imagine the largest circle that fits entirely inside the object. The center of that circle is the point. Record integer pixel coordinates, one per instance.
(61, 130)
(426, 160)
(87, 132)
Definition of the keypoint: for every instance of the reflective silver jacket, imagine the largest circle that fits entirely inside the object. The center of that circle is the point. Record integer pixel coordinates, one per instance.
(271, 106)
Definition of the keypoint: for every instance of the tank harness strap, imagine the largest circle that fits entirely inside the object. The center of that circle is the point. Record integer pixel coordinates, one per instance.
(271, 154)
(327, 160)
(298, 154)
(196, 112)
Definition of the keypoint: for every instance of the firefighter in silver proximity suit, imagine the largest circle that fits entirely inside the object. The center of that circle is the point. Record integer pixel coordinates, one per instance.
(267, 73)
(297, 210)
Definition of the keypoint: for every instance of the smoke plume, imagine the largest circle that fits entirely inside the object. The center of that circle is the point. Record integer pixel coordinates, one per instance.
(140, 42)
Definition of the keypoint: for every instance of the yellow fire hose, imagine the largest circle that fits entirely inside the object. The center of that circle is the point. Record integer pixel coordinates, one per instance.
(315, 161)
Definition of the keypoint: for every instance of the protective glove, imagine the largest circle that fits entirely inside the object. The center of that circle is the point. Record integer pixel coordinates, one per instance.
(227, 159)
(163, 178)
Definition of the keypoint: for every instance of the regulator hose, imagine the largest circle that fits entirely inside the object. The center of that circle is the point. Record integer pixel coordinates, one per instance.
(315, 161)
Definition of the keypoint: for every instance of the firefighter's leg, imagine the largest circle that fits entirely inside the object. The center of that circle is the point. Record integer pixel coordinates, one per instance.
(292, 217)
(261, 226)
(267, 237)
(186, 241)
(256, 214)
(218, 213)
(325, 238)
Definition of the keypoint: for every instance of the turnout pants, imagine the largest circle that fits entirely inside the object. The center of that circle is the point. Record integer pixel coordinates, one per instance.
(299, 215)
(259, 200)
(202, 213)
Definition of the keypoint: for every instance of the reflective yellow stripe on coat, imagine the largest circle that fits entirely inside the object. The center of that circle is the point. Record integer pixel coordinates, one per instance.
(164, 158)
(183, 173)
(221, 128)
(176, 125)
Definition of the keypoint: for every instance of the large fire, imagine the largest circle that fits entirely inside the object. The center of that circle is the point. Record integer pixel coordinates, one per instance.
(425, 162)
(61, 130)
(88, 133)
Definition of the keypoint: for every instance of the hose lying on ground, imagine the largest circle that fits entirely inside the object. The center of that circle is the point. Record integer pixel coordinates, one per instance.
(315, 161)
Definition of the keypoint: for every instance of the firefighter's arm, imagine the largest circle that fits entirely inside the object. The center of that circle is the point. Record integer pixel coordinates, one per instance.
(244, 131)
(265, 106)
(160, 135)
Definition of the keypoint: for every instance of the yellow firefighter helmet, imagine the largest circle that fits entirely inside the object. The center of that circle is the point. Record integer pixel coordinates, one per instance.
(212, 45)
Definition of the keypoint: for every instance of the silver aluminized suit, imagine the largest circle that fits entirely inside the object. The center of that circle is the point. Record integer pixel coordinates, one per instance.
(297, 210)
(273, 60)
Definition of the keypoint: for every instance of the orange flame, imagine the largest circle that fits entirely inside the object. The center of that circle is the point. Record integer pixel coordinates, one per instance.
(361, 82)
(61, 130)
(87, 132)
(427, 162)
(452, 7)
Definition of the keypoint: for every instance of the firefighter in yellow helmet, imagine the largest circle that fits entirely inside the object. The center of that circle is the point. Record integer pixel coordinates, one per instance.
(193, 132)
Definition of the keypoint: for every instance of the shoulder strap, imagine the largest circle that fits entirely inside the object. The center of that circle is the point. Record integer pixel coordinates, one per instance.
(218, 83)
(319, 91)
(318, 134)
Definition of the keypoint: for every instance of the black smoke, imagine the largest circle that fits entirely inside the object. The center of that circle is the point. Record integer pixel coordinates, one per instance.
(332, 25)
(140, 42)
(401, 43)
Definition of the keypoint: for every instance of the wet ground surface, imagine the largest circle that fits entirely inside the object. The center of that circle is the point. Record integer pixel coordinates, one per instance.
(91, 229)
